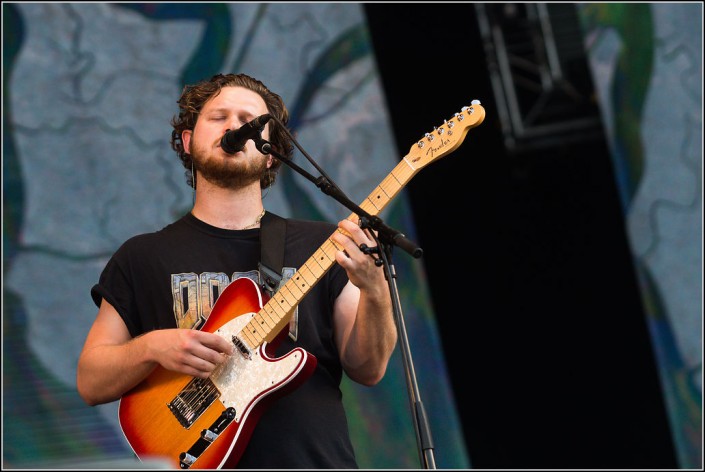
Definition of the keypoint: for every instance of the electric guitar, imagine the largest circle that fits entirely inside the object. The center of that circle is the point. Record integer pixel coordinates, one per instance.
(206, 423)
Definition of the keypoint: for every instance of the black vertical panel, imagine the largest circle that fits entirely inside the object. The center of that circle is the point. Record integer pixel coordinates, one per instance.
(529, 268)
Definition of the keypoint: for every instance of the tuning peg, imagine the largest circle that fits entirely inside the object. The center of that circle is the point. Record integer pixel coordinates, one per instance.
(470, 109)
(439, 131)
(450, 125)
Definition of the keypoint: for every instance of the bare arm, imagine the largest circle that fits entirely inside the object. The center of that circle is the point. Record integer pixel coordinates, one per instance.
(365, 331)
(112, 362)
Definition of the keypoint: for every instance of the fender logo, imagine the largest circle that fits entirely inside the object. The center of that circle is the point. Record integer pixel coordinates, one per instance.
(432, 150)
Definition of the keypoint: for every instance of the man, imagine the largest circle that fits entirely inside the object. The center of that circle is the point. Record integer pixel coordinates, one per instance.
(152, 299)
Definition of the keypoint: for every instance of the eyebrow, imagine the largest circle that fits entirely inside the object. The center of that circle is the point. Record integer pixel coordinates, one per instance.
(247, 114)
(219, 110)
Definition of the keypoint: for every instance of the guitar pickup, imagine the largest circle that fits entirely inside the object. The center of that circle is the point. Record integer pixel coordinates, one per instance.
(242, 347)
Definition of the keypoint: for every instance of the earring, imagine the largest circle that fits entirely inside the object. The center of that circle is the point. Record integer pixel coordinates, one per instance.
(269, 181)
(193, 184)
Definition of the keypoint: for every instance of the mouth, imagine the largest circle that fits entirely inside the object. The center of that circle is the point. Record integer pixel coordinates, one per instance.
(230, 153)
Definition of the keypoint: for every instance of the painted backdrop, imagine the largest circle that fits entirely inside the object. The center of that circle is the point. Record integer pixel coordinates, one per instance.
(88, 92)
(647, 64)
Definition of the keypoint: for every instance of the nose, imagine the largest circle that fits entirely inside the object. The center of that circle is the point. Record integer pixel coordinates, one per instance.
(236, 123)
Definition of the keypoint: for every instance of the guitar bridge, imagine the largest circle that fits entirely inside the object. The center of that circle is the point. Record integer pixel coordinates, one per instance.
(193, 400)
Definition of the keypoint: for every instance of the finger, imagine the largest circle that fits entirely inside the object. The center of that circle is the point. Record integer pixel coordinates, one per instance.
(354, 230)
(347, 245)
(199, 368)
(215, 342)
(350, 231)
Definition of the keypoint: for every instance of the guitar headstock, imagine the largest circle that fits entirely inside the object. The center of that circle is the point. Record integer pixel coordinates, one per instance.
(447, 137)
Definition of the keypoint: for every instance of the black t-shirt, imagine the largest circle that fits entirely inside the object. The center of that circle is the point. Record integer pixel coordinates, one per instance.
(172, 277)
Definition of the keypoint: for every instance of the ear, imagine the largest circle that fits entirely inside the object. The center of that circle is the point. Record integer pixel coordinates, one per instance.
(186, 140)
(269, 162)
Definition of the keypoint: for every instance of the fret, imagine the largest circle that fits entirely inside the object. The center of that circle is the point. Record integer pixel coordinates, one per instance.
(289, 297)
(261, 320)
(257, 334)
(308, 275)
(369, 207)
(296, 292)
(300, 283)
(271, 322)
(276, 308)
(272, 313)
(321, 259)
(280, 307)
(246, 334)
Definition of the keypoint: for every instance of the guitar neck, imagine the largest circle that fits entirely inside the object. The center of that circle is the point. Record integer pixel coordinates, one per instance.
(277, 312)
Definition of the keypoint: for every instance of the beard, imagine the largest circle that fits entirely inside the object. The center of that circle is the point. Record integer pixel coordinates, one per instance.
(229, 173)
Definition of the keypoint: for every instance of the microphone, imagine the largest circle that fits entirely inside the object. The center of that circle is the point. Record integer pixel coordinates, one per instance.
(234, 140)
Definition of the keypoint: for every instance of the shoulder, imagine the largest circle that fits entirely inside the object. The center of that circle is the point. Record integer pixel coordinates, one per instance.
(148, 241)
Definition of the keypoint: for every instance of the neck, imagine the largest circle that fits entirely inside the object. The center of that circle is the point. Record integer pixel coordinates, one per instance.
(228, 208)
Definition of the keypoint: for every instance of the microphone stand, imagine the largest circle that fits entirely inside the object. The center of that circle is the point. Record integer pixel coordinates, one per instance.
(388, 237)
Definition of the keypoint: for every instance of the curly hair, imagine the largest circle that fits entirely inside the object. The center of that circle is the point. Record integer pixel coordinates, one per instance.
(193, 98)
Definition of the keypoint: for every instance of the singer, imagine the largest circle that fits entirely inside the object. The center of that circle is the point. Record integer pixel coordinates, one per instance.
(178, 308)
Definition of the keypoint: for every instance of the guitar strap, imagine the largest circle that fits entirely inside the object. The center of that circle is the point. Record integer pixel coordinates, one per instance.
(272, 241)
